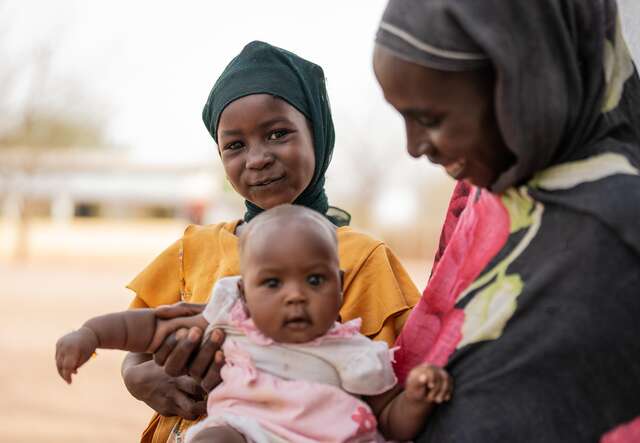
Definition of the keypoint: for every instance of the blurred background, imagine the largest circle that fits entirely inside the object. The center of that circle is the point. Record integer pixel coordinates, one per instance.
(104, 160)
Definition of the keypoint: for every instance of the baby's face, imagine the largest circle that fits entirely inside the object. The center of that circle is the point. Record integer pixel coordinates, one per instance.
(292, 283)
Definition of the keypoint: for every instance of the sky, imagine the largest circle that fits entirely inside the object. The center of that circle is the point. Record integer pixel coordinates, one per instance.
(148, 67)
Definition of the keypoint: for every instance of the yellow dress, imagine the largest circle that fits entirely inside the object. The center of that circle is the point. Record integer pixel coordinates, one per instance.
(376, 288)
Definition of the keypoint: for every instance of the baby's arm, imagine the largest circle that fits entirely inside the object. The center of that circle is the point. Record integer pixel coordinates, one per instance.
(136, 330)
(402, 413)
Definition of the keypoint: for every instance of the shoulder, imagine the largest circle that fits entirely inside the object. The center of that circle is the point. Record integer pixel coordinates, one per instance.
(355, 246)
(207, 239)
(200, 232)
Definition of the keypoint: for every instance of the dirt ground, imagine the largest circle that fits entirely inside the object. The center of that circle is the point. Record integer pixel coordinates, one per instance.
(74, 272)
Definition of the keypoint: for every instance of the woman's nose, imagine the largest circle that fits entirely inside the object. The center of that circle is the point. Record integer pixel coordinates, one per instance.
(258, 157)
(418, 142)
(418, 148)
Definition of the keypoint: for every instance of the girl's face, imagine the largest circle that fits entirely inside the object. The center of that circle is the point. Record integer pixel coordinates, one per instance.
(291, 282)
(267, 149)
(449, 117)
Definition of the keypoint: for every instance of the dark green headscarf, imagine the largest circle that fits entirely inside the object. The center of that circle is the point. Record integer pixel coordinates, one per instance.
(264, 69)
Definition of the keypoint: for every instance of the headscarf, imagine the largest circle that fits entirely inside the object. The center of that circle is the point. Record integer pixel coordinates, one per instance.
(261, 68)
(561, 69)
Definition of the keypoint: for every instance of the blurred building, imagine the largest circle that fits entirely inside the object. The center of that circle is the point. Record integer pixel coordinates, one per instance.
(64, 184)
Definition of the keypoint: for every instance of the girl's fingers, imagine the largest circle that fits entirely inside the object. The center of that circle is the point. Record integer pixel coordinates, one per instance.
(212, 379)
(206, 354)
(181, 309)
(176, 363)
(166, 348)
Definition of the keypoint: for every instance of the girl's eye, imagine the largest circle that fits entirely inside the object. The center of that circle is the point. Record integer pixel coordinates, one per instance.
(315, 280)
(271, 283)
(277, 134)
(233, 146)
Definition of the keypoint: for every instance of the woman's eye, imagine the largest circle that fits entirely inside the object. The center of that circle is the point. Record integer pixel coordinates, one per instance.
(233, 146)
(315, 280)
(271, 283)
(277, 134)
(428, 121)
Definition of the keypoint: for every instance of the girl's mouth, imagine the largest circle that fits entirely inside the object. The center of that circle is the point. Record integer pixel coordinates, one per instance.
(268, 181)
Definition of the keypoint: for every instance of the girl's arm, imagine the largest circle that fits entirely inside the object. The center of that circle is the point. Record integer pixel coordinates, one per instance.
(135, 330)
(402, 413)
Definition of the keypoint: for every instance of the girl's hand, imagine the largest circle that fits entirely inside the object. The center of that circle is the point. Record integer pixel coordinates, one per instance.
(73, 350)
(182, 353)
(168, 396)
(428, 383)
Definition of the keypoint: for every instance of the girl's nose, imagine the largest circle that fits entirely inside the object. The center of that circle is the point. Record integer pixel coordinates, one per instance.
(258, 157)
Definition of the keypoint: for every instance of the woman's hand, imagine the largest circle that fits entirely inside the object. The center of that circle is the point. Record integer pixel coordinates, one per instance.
(181, 352)
(169, 396)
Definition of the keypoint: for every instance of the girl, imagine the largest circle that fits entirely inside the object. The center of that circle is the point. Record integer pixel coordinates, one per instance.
(269, 114)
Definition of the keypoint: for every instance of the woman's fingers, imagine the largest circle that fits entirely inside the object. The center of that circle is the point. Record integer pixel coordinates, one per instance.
(181, 309)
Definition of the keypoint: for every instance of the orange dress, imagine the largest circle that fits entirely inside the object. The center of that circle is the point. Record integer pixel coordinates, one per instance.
(377, 288)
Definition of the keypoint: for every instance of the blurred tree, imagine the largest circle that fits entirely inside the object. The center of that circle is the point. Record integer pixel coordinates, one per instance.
(40, 113)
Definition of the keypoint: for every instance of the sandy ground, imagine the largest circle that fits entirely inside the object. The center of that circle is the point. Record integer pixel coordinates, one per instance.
(74, 272)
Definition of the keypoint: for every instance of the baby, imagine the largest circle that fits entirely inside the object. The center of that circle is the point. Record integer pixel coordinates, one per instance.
(293, 372)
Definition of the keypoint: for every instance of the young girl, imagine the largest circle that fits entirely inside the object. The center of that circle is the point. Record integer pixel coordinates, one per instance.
(269, 114)
(293, 373)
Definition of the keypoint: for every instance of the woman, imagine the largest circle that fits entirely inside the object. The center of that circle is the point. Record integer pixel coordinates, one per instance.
(270, 116)
(534, 301)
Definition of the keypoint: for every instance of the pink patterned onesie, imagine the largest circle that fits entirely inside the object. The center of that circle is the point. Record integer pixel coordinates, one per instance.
(294, 392)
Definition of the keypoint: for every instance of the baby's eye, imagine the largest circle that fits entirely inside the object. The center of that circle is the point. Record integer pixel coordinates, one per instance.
(278, 133)
(233, 146)
(271, 283)
(315, 280)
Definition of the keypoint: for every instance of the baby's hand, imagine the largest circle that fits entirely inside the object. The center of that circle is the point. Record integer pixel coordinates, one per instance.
(73, 350)
(428, 383)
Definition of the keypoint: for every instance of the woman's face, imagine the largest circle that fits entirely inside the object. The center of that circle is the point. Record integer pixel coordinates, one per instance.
(449, 117)
(267, 149)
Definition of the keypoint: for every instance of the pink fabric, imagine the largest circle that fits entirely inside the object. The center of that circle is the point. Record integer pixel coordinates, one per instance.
(433, 329)
(296, 411)
(626, 433)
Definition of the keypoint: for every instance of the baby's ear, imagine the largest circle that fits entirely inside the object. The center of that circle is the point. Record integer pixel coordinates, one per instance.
(242, 297)
(241, 290)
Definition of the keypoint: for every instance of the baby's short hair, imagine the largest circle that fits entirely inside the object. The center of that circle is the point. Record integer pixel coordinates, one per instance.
(284, 215)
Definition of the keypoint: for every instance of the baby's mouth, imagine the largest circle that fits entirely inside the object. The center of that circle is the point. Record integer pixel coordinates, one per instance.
(297, 322)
